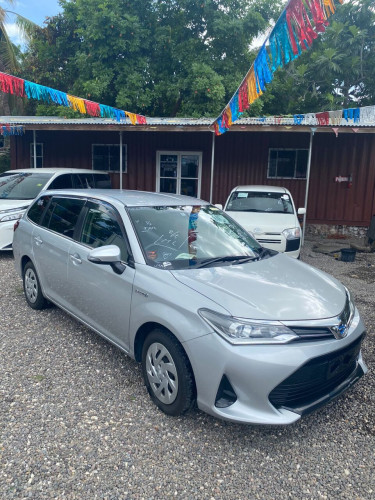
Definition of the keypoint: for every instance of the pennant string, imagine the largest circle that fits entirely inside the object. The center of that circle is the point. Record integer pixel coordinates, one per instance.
(23, 88)
(298, 26)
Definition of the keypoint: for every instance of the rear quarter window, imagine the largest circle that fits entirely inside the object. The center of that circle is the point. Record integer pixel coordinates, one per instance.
(38, 208)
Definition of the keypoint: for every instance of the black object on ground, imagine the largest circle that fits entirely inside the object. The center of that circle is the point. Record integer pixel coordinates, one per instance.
(348, 254)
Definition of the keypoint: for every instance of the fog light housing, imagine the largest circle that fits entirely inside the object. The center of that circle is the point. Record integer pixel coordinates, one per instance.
(225, 395)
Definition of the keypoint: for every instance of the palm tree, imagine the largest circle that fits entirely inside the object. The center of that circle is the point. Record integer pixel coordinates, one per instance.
(8, 51)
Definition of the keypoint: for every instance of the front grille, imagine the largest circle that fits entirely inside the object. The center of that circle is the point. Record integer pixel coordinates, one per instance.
(310, 333)
(317, 379)
(266, 240)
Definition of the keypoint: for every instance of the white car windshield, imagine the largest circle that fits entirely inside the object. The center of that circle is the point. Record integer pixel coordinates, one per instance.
(255, 201)
(182, 237)
(22, 185)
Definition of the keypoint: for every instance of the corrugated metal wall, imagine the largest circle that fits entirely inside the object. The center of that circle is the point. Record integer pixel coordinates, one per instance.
(240, 158)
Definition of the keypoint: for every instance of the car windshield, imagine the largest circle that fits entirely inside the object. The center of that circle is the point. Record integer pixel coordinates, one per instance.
(22, 185)
(182, 237)
(260, 201)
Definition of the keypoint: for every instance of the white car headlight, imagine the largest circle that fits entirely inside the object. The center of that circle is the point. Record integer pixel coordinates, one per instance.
(291, 234)
(244, 331)
(12, 216)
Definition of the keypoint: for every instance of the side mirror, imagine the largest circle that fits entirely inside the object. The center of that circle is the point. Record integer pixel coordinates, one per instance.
(219, 206)
(301, 211)
(109, 255)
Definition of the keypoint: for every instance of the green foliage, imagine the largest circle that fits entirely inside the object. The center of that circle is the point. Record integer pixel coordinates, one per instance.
(154, 57)
(337, 72)
(62, 111)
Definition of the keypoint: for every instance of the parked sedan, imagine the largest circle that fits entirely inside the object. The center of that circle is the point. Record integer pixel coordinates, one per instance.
(248, 334)
(18, 188)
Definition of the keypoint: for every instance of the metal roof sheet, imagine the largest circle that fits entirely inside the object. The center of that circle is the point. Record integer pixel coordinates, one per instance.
(274, 121)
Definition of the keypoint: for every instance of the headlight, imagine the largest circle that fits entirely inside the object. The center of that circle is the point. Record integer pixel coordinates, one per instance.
(292, 233)
(12, 216)
(243, 331)
(351, 307)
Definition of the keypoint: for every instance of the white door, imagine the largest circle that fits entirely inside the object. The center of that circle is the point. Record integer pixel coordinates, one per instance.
(179, 173)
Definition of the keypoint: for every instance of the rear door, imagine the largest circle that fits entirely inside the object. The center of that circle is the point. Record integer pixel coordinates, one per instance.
(51, 242)
(99, 296)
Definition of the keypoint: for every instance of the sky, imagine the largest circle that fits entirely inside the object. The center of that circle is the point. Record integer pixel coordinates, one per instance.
(35, 10)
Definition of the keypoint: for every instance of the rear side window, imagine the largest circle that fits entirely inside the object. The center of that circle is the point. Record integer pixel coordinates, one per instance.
(87, 180)
(62, 215)
(62, 182)
(37, 209)
(83, 181)
(101, 227)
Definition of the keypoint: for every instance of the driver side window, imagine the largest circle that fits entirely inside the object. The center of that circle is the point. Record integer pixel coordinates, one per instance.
(101, 227)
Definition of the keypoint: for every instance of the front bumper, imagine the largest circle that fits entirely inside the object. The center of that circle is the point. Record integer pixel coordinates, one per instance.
(255, 371)
(6, 235)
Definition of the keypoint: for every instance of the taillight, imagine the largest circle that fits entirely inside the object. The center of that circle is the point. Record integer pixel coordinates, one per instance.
(17, 223)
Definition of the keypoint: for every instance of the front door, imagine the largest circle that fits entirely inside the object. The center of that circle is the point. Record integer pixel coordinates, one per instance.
(179, 173)
(99, 296)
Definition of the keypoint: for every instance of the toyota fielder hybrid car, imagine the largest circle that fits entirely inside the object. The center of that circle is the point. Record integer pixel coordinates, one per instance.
(247, 333)
(18, 188)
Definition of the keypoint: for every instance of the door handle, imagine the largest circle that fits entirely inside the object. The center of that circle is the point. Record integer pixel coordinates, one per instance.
(75, 258)
(38, 240)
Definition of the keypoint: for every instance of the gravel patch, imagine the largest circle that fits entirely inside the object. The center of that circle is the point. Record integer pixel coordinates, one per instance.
(76, 421)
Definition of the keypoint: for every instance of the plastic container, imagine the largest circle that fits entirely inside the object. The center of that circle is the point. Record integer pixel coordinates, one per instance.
(348, 254)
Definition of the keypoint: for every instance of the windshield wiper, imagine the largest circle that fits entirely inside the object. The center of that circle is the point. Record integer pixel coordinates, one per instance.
(237, 259)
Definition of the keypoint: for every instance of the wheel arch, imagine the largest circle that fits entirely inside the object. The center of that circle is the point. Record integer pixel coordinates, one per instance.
(142, 333)
(24, 260)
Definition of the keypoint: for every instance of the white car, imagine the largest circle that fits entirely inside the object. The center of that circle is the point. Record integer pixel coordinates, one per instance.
(269, 214)
(18, 188)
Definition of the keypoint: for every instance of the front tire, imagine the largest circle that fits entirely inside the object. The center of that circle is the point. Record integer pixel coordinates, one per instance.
(32, 289)
(167, 373)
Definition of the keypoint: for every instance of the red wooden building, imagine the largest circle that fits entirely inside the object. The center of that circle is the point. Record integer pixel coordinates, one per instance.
(182, 155)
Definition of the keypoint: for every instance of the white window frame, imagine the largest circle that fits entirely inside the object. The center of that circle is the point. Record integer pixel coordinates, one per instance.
(179, 154)
(32, 154)
(295, 166)
(124, 158)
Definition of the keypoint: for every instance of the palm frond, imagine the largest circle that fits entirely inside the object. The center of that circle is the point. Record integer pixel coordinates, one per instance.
(7, 55)
(25, 26)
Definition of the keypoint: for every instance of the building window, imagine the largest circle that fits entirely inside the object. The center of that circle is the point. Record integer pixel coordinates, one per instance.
(179, 173)
(107, 157)
(39, 154)
(287, 163)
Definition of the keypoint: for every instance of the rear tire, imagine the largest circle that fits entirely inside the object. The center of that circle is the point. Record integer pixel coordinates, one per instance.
(167, 373)
(32, 289)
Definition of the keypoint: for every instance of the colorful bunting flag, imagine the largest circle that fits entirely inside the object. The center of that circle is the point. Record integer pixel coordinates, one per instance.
(23, 88)
(298, 26)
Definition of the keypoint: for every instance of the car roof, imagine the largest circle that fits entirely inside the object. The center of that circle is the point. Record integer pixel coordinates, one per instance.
(56, 171)
(131, 198)
(262, 188)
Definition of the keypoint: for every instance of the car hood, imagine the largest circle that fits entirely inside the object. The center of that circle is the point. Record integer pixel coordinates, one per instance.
(258, 223)
(6, 204)
(275, 288)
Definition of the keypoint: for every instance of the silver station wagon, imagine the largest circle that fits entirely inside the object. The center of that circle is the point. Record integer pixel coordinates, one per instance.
(244, 332)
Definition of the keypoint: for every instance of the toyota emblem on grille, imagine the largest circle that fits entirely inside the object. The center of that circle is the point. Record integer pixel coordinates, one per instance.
(339, 331)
